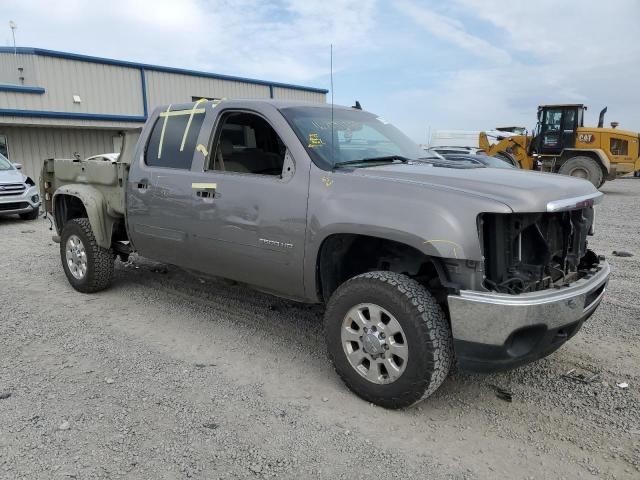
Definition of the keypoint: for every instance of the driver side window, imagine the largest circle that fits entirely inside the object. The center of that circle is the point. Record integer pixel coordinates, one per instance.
(246, 143)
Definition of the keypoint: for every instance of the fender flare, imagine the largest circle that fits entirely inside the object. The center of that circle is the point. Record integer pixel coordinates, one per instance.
(96, 208)
(604, 160)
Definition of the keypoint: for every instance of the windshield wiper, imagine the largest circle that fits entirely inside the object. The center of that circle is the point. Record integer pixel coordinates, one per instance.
(386, 158)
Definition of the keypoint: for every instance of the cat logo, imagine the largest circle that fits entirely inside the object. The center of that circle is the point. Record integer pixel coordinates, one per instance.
(586, 138)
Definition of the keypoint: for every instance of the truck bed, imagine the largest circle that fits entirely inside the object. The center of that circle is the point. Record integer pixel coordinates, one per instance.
(109, 178)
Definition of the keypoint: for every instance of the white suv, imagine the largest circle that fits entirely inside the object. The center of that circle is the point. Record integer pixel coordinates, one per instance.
(18, 193)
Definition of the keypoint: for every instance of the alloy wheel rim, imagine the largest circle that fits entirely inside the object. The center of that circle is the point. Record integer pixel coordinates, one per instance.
(374, 343)
(76, 257)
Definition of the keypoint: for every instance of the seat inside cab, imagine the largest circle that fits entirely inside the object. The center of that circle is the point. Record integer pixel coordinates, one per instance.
(248, 144)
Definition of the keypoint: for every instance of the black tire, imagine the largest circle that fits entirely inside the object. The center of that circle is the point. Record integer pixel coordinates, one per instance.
(32, 215)
(636, 174)
(99, 261)
(427, 331)
(583, 167)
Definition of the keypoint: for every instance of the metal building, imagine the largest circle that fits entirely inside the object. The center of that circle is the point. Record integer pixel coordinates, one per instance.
(54, 104)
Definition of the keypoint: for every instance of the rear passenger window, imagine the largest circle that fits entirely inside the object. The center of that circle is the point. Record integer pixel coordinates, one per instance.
(173, 139)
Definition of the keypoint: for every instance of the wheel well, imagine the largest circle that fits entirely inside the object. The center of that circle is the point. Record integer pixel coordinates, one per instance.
(343, 256)
(68, 207)
(580, 153)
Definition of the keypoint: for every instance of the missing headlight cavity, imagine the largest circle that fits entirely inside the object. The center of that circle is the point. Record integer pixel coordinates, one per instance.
(525, 252)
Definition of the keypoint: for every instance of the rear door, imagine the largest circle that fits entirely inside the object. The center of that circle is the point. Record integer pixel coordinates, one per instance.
(160, 186)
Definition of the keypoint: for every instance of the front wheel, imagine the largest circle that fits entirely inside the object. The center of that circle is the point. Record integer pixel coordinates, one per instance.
(388, 339)
(583, 167)
(89, 267)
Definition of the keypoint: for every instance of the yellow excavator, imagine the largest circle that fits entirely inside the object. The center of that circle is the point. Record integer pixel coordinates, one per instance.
(562, 144)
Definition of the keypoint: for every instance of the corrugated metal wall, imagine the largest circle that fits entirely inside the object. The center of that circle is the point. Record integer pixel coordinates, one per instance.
(164, 88)
(304, 95)
(105, 89)
(117, 89)
(31, 145)
(9, 73)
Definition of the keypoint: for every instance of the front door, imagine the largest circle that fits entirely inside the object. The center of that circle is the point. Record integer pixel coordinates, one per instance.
(160, 187)
(250, 206)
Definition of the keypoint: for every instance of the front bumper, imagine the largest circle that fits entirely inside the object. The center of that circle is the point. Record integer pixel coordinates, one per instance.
(496, 331)
(25, 202)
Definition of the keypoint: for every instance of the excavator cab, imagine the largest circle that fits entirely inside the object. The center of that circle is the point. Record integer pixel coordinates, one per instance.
(556, 128)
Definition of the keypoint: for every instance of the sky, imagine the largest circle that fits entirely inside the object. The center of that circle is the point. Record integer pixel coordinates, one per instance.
(422, 65)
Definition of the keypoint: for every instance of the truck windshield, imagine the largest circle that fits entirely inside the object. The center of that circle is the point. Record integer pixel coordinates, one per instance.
(355, 138)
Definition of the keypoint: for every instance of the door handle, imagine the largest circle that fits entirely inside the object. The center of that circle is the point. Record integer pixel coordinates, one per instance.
(143, 184)
(206, 193)
(205, 190)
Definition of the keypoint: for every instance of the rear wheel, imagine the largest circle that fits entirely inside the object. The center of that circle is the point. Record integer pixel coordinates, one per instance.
(388, 339)
(583, 167)
(89, 267)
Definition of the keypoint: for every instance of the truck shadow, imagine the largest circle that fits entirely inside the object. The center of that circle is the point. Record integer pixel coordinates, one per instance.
(296, 328)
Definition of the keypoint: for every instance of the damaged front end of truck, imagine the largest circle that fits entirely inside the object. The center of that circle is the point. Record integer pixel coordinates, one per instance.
(541, 283)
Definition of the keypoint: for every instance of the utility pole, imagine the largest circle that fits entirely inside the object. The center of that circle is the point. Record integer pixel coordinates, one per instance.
(13, 27)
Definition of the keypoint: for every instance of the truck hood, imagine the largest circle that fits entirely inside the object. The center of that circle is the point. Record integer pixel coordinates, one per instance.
(521, 190)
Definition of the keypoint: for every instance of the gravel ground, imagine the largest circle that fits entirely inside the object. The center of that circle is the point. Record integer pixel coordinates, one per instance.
(167, 376)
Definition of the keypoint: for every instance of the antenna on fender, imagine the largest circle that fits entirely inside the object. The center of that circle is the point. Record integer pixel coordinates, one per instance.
(333, 160)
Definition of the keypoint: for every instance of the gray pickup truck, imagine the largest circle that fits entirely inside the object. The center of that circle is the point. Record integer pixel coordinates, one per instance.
(421, 262)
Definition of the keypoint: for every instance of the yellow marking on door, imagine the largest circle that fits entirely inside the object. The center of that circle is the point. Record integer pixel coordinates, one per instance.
(202, 149)
(204, 186)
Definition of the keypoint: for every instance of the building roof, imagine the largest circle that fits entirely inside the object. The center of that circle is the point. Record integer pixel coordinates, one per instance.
(151, 67)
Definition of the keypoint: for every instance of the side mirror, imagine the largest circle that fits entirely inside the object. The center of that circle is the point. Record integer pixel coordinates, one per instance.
(18, 166)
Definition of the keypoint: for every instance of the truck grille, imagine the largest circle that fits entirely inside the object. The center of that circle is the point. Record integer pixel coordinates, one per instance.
(9, 189)
(13, 206)
(526, 252)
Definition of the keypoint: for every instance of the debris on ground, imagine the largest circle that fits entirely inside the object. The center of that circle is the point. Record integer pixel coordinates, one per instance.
(622, 385)
(109, 380)
(585, 376)
(5, 395)
(211, 425)
(64, 426)
(502, 393)
(27, 231)
(621, 253)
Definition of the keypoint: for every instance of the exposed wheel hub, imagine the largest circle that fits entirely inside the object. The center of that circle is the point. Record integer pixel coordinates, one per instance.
(374, 343)
(76, 257)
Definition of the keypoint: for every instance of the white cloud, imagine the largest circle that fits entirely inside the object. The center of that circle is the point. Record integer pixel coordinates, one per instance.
(453, 31)
(495, 60)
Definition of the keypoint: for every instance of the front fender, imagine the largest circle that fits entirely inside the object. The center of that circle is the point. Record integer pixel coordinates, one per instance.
(95, 206)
